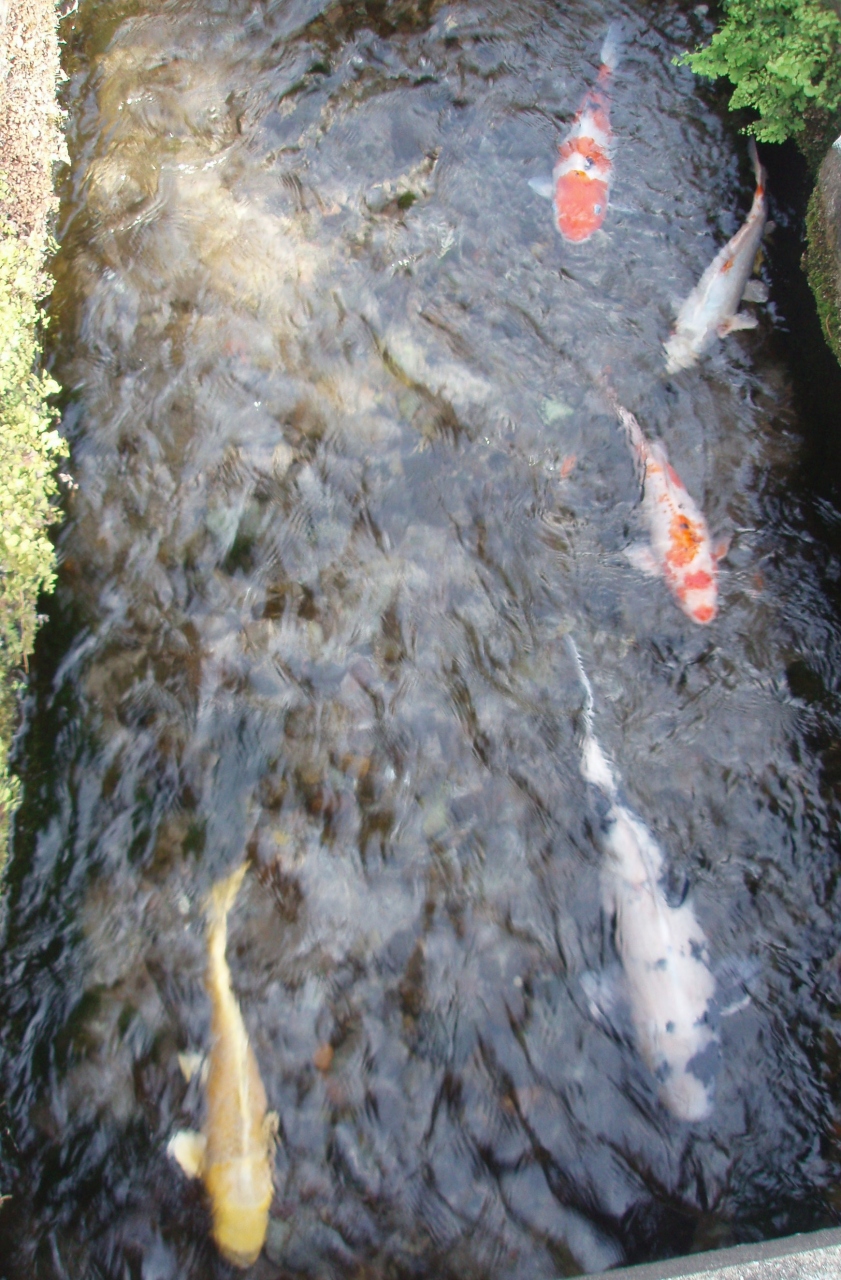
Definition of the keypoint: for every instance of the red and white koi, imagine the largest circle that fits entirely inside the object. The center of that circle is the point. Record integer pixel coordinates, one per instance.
(680, 548)
(663, 949)
(712, 307)
(580, 186)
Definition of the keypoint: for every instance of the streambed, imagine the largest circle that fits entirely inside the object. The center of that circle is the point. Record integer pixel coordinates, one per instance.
(346, 478)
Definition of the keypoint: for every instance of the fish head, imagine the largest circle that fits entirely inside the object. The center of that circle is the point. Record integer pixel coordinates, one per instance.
(580, 205)
(240, 1191)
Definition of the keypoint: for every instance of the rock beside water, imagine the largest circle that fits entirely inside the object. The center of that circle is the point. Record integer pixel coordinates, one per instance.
(823, 255)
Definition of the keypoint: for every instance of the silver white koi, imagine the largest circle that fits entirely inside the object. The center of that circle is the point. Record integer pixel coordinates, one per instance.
(663, 949)
(712, 307)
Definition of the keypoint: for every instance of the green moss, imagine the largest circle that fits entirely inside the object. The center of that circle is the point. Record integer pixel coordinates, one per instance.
(29, 451)
(822, 271)
(783, 56)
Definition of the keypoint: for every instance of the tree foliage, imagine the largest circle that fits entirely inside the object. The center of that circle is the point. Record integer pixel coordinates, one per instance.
(783, 56)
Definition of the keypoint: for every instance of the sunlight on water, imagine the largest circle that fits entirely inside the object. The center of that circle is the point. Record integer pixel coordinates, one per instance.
(347, 477)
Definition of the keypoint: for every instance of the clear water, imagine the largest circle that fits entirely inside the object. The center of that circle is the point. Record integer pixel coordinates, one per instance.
(345, 479)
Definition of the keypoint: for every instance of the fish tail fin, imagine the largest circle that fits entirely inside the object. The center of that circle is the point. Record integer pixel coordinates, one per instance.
(595, 766)
(634, 436)
(758, 167)
(612, 48)
(603, 381)
(585, 683)
(629, 424)
(219, 902)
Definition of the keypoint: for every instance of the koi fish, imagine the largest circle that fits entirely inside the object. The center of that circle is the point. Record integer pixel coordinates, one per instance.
(580, 184)
(680, 549)
(663, 949)
(233, 1154)
(712, 307)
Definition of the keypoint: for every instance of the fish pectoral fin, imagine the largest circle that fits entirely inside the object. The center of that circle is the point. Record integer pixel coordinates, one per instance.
(755, 291)
(722, 547)
(735, 979)
(271, 1128)
(187, 1148)
(191, 1064)
(543, 187)
(606, 999)
(741, 320)
(640, 555)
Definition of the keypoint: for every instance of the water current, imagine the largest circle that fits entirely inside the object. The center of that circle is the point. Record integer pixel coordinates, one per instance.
(346, 478)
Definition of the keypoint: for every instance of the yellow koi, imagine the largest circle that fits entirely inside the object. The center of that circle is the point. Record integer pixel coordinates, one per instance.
(234, 1152)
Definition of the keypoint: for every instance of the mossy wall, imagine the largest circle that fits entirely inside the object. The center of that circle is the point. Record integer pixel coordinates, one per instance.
(823, 268)
(31, 143)
(29, 451)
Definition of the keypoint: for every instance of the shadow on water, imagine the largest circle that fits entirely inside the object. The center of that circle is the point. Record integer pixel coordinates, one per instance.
(346, 478)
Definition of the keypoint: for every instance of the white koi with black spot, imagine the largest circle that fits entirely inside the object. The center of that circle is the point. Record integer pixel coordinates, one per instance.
(663, 949)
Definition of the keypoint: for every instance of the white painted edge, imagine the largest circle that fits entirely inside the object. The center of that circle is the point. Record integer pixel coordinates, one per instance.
(814, 1255)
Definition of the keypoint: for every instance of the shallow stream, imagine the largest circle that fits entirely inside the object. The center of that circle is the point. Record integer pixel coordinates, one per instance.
(346, 478)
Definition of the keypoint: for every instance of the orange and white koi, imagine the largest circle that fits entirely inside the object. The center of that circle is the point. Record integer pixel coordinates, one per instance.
(580, 185)
(680, 549)
(712, 307)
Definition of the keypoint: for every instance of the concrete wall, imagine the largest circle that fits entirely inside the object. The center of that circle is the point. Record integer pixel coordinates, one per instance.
(816, 1256)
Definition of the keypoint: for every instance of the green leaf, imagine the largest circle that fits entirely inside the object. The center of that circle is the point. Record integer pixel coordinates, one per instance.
(782, 56)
